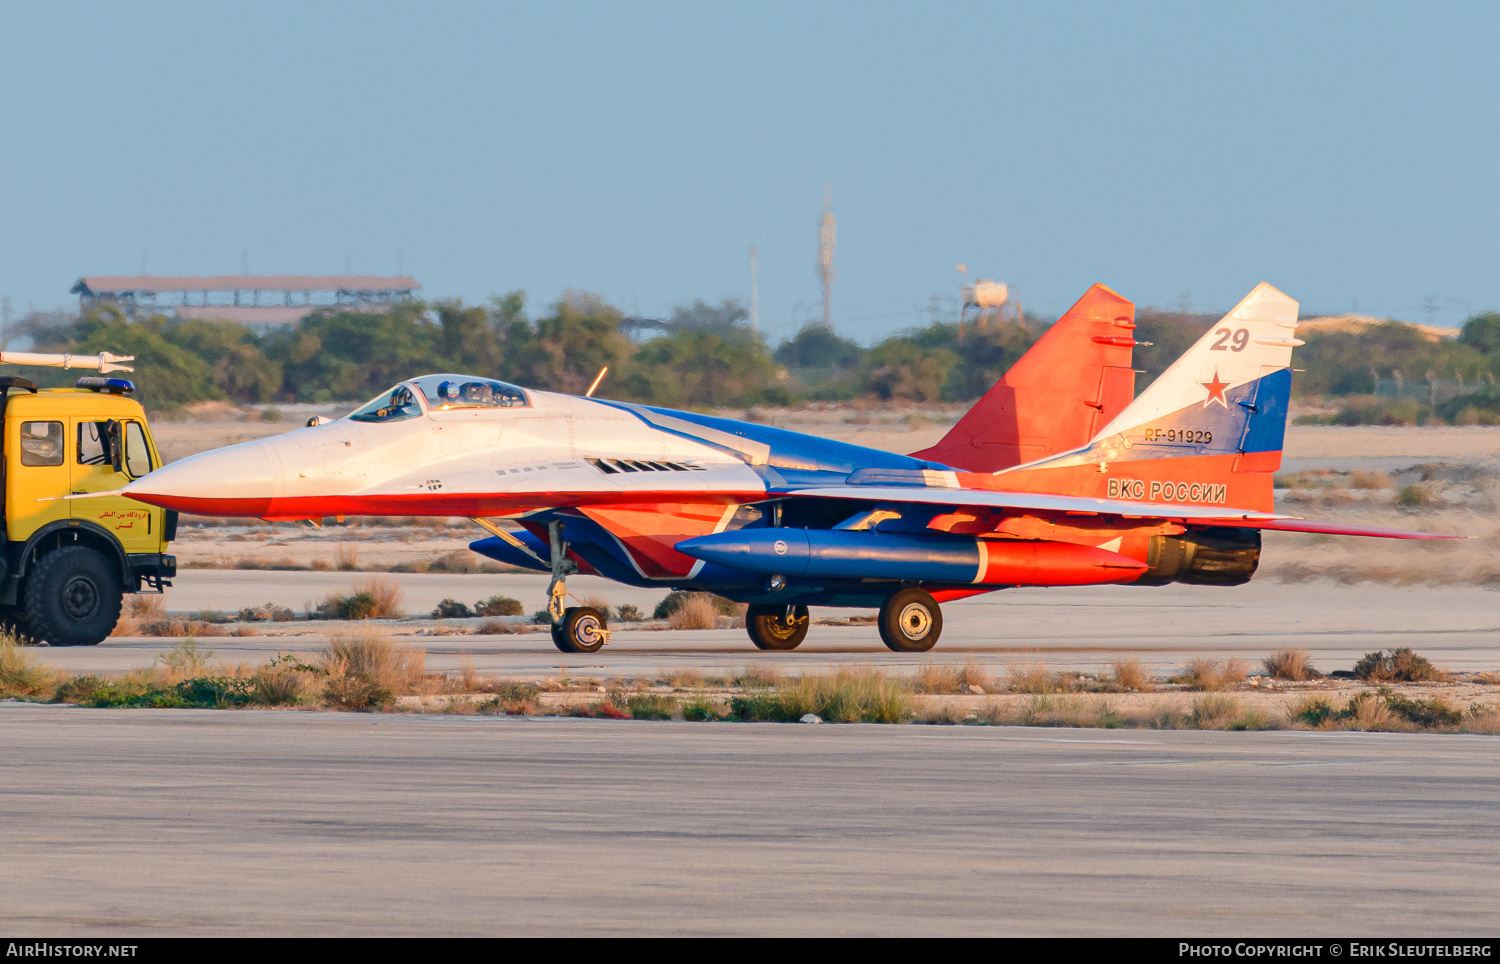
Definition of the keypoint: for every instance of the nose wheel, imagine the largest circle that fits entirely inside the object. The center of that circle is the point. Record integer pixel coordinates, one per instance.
(910, 621)
(582, 629)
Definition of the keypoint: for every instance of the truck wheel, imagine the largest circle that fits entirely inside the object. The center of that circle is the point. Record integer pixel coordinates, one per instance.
(910, 621)
(582, 630)
(73, 597)
(776, 627)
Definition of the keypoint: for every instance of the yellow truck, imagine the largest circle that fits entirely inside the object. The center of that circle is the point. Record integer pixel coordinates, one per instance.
(71, 551)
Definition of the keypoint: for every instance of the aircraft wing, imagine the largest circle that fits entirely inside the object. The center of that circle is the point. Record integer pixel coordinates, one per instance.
(1035, 501)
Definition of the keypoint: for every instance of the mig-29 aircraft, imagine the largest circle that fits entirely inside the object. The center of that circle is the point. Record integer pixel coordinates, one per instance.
(1056, 477)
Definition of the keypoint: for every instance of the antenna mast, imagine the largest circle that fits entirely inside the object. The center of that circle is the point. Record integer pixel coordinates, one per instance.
(827, 237)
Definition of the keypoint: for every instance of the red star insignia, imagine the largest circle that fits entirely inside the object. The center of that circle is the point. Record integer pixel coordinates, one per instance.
(1215, 390)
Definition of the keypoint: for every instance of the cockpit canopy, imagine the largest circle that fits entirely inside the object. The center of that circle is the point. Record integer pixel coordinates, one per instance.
(442, 393)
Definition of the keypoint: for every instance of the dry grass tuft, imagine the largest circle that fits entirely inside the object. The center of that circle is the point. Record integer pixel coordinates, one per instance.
(365, 670)
(346, 557)
(1212, 675)
(1366, 711)
(681, 678)
(183, 629)
(864, 695)
(1290, 664)
(948, 678)
(1483, 719)
(370, 599)
(757, 676)
(147, 607)
(20, 676)
(695, 612)
(185, 661)
(284, 681)
(1032, 678)
(1215, 712)
(1396, 665)
(1127, 676)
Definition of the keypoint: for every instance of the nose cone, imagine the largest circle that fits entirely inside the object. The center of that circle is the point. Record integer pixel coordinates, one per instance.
(240, 480)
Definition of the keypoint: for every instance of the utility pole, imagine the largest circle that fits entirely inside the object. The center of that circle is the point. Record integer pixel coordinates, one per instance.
(827, 236)
(754, 290)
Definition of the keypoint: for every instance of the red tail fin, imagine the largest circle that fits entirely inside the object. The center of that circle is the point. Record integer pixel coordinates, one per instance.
(1072, 383)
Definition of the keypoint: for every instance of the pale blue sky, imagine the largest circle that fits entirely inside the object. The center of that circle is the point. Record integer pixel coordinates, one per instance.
(1180, 152)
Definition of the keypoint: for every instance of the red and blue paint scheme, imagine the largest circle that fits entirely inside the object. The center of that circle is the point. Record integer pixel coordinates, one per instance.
(1055, 478)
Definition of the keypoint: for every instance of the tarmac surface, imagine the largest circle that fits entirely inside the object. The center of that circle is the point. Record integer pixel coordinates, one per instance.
(142, 822)
(1081, 629)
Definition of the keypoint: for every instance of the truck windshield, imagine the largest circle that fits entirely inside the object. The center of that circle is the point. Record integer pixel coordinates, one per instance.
(396, 404)
(448, 392)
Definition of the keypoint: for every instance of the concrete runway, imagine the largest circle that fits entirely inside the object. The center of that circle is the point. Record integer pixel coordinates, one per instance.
(1081, 629)
(281, 823)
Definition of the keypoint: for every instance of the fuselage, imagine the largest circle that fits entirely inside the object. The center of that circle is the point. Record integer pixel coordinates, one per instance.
(652, 496)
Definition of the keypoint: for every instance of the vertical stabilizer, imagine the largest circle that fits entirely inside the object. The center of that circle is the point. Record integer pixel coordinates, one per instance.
(1075, 380)
(1208, 431)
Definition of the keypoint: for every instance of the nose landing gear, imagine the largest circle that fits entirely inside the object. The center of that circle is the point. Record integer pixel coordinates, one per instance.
(575, 629)
(582, 629)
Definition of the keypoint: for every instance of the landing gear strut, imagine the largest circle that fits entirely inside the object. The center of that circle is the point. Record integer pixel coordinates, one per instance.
(575, 629)
(910, 621)
(776, 627)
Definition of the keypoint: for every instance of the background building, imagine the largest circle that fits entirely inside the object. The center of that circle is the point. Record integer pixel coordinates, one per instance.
(275, 299)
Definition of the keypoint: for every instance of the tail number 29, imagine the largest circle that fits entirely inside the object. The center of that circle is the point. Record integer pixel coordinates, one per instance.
(1240, 336)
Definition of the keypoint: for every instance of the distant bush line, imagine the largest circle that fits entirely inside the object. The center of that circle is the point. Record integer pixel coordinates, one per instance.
(706, 356)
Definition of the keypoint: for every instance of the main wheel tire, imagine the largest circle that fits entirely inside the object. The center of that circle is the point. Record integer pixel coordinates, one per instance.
(73, 597)
(771, 627)
(582, 630)
(910, 621)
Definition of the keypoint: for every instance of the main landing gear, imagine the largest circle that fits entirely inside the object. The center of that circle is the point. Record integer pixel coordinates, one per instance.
(910, 621)
(575, 629)
(776, 627)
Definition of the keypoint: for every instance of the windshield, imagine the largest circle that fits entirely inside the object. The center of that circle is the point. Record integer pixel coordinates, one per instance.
(396, 404)
(449, 392)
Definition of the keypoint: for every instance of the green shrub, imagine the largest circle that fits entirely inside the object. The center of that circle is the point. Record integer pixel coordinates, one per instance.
(452, 609)
(1428, 713)
(356, 691)
(648, 706)
(1396, 665)
(700, 709)
(669, 604)
(628, 613)
(498, 606)
(1314, 712)
(269, 612)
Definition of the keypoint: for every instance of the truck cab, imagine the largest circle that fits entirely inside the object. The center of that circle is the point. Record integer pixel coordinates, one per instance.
(71, 549)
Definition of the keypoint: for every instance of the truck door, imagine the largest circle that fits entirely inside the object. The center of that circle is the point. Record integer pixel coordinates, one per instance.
(135, 524)
(37, 469)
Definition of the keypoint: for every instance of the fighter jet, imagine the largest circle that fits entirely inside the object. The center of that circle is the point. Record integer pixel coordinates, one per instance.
(1057, 477)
